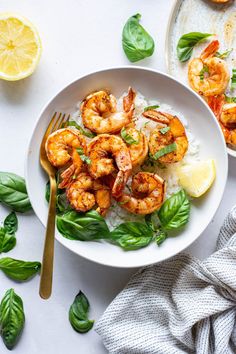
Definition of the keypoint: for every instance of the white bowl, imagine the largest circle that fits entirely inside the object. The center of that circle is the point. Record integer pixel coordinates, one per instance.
(152, 84)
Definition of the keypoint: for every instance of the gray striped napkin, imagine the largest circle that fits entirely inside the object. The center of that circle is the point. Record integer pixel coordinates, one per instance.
(182, 305)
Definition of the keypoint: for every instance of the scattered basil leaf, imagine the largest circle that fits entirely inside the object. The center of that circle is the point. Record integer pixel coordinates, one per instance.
(230, 99)
(224, 55)
(19, 270)
(166, 150)
(47, 191)
(233, 79)
(11, 223)
(149, 222)
(12, 318)
(174, 212)
(62, 203)
(160, 237)
(78, 314)
(187, 42)
(164, 130)
(83, 157)
(128, 138)
(13, 192)
(137, 43)
(204, 70)
(148, 108)
(132, 235)
(72, 123)
(7, 241)
(84, 227)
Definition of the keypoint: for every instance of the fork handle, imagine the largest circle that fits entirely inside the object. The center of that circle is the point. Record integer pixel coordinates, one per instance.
(45, 288)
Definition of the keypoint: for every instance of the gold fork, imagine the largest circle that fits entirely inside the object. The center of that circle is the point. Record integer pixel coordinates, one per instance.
(58, 121)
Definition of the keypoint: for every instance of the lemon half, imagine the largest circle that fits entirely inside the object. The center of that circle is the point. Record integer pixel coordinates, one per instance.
(198, 177)
(20, 47)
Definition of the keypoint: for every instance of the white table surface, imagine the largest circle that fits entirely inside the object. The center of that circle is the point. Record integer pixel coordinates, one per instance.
(78, 36)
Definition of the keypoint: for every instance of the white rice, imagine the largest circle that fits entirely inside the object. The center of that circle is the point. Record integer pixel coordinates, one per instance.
(117, 215)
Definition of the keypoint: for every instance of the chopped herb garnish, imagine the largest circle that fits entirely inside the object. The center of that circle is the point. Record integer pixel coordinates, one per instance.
(229, 99)
(151, 107)
(166, 150)
(224, 55)
(204, 70)
(233, 79)
(164, 130)
(122, 203)
(72, 123)
(83, 157)
(128, 138)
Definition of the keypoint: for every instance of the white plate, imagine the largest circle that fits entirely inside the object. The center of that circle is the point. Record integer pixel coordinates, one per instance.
(200, 16)
(202, 123)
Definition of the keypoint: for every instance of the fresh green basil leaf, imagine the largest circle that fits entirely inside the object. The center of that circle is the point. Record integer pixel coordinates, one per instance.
(132, 235)
(47, 191)
(164, 130)
(13, 192)
(164, 151)
(7, 241)
(187, 42)
(160, 237)
(62, 203)
(137, 43)
(224, 55)
(78, 314)
(83, 157)
(233, 79)
(128, 138)
(229, 99)
(88, 133)
(148, 108)
(11, 223)
(174, 212)
(19, 270)
(82, 226)
(204, 70)
(12, 318)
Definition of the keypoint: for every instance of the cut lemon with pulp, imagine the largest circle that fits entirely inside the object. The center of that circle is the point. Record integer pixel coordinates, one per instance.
(20, 47)
(197, 178)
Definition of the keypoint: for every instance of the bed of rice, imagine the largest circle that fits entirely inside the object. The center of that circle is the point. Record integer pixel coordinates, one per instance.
(117, 215)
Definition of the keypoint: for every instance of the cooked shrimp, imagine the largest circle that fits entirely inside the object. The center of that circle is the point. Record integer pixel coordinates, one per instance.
(148, 191)
(85, 192)
(220, 1)
(103, 150)
(61, 150)
(139, 149)
(160, 139)
(208, 75)
(226, 115)
(99, 112)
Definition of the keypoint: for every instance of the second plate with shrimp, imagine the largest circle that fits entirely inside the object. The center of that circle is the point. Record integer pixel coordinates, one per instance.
(127, 165)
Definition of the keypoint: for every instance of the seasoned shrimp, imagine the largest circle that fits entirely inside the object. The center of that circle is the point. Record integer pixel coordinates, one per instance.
(139, 149)
(160, 139)
(85, 192)
(148, 191)
(61, 150)
(99, 112)
(103, 150)
(226, 115)
(208, 75)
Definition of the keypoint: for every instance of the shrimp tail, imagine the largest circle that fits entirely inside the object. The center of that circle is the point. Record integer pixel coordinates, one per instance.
(210, 50)
(120, 182)
(157, 116)
(66, 177)
(216, 104)
(128, 102)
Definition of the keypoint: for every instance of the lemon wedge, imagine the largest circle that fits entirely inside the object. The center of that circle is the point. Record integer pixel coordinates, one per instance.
(20, 47)
(198, 177)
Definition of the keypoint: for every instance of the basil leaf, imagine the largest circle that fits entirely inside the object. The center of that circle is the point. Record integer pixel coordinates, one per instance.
(161, 237)
(164, 151)
(233, 79)
(82, 226)
(128, 138)
(7, 241)
(137, 43)
(62, 203)
(13, 192)
(224, 55)
(83, 157)
(12, 318)
(19, 270)
(78, 314)
(164, 130)
(174, 213)
(229, 99)
(11, 223)
(187, 42)
(47, 191)
(72, 123)
(204, 70)
(132, 235)
(148, 108)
